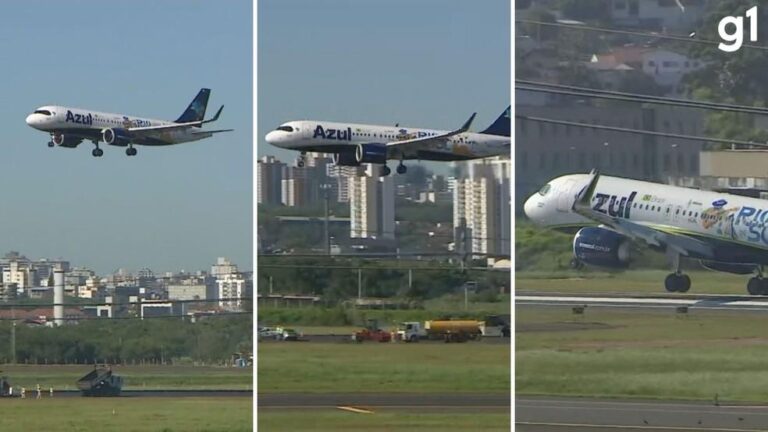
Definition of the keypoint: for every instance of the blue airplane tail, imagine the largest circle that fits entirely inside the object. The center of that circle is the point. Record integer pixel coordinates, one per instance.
(196, 109)
(501, 126)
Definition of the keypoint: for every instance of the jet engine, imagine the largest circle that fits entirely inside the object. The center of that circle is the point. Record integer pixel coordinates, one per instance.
(371, 153)
(345, 159)
(62, 140)
(602, 247)
(117, 137)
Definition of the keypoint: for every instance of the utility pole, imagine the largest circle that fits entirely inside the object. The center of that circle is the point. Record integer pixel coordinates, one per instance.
(326, 234)
(270, 285)
(359, 283)
(13, 336)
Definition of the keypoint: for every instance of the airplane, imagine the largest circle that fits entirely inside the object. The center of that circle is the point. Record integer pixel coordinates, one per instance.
(725, 232)
(68, 127)
(355, 144)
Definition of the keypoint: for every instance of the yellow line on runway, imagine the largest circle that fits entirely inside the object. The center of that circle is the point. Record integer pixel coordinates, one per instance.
(643, 427)
(356, 410)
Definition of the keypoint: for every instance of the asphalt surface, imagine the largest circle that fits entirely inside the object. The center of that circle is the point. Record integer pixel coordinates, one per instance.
(587, 415)
(31, 393)
(691, 302)
(375, 401)
(326, 338)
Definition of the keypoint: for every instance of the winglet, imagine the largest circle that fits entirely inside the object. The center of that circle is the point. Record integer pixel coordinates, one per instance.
(584, 197)
(468, 123)
(216, 116)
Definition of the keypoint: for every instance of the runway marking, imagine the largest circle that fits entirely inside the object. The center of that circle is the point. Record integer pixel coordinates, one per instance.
(643, 427)
(355, 410)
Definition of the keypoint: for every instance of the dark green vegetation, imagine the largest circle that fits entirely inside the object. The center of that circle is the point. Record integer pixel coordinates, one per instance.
(450, 307)
(63, 377)
(648, 354)
(336, 279)
(388, 367)
(205, 414)
(173, 340)
(383, 421)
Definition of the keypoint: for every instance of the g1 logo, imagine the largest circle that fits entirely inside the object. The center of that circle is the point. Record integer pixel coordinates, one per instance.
(736, 38)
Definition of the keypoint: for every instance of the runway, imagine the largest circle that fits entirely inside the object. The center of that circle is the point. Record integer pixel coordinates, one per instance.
(691, 301)
(587, 415)
(31, 393)
(378, 401)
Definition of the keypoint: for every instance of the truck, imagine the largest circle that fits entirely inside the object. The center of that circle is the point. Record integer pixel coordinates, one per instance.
(100, 382)
(447, 330)
(371, 332)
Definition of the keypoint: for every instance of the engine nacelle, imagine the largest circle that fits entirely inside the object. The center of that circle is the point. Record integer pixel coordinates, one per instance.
(735, 268)
(371, 153)
(345, 159)
(65, 140)
(116, 136)
(602, 247)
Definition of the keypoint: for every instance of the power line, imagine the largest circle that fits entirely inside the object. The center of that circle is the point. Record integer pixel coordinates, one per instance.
(651, 35)
(534, 86)
(641, 132)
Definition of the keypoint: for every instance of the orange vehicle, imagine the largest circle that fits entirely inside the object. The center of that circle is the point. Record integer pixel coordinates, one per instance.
(372, 332)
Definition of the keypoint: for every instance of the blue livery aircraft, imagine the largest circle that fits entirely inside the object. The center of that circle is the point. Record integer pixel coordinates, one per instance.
(727, 233)
(355, 144)
(68, 127)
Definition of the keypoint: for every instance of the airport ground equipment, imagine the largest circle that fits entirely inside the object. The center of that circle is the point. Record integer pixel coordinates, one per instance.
(447, 330)
(5, 387)
(372, 332)
(100, 382)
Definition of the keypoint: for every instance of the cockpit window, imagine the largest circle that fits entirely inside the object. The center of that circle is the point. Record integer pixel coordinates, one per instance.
(43, 112)
(543, 191)
(285, 128)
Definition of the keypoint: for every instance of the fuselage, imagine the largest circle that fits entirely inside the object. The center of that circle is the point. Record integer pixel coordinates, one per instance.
(736, 225)
(333, 137)
(89, 124)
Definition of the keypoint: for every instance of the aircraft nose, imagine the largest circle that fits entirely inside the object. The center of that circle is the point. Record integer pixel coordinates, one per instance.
(30, 119)
(271, 137)
(533, 209)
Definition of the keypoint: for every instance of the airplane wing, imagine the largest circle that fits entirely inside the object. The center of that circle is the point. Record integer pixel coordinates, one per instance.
(682, 244)
(175, 126)
(395, 148)
(211, 131)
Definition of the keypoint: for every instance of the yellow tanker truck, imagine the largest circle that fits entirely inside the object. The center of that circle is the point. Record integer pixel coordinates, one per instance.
(447, 330)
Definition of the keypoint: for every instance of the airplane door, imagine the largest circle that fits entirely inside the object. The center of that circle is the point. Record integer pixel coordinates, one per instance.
(565, 197)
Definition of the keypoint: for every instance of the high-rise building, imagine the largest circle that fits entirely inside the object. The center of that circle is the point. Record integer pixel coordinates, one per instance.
(372, 205)
(269, 176)
(223, 267)
(232, 288)
(483, 200)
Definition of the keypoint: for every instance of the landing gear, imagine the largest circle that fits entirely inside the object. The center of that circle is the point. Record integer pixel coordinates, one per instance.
(758, 285)
(576, 264)
(302, 158)
(401, 169)
(97, 152)
(50, 144)
(385, 171)
(677, 282)
(130, 151)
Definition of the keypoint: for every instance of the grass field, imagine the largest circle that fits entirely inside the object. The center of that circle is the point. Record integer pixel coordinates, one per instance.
(644, 354)
(636, 281)
(63, 377)
(374, 367)
(382, 421)
(232, 414)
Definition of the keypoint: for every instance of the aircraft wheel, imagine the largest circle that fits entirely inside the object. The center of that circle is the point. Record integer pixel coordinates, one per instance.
(401, 169)
(300, 163)
(684, 283)
(50, 144)
(130, 151)
(755, 286)
(97, 152)
(385, 171)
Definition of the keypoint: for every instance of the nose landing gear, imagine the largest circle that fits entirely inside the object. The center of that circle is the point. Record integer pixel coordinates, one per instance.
(97, 152)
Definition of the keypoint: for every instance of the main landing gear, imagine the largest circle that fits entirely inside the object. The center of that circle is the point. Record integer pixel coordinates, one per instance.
(385, 171)
(130, 151)
(401, 169)
(677, 281)
(758, 285)
(97, 152)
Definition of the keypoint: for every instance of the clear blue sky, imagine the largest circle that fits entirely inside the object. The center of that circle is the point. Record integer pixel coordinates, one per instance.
(426, 63)
(169, 208)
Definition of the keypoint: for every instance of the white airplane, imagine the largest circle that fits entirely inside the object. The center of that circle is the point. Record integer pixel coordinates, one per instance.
(355, 144)
(725, 232)
(68, 127)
